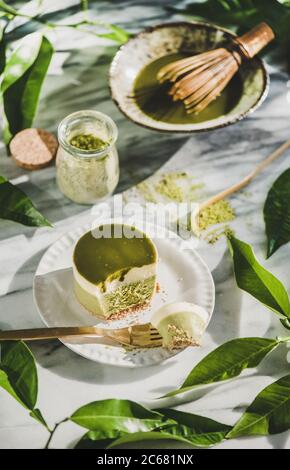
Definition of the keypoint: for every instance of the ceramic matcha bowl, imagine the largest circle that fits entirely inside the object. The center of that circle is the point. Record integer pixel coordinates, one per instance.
(182, 38)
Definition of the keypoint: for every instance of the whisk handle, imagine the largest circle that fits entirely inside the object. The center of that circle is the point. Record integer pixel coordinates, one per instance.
(254, 40)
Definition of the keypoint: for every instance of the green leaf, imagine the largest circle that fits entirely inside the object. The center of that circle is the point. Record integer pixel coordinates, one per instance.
(117, 34)
(7, 8)
(15, 205)
(37, 415)
(84, 4)
(2, 48)
(286, 323)
(198, 430)
(228, 361)
(113, 418)
(91, 440)
(20, 374)
(268, 414)
(252, 277)
(147, 436)
(277, 213)
(22, 80)
(185, 427)
(5, 384)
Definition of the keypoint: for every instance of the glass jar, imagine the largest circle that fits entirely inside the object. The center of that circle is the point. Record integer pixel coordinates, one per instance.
(87, 176)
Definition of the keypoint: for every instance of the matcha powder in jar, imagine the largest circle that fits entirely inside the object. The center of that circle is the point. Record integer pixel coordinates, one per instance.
(87, 164)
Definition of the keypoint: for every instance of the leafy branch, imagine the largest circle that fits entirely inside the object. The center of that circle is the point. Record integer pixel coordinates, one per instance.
(22, 74)
(228, 361)
(110, 423)
(52, 431)
(22, 80)
(253, 278)
(120, 35)
(18, 376)
(277, 213)
(268, 414)
(25, 69)
(241, 15)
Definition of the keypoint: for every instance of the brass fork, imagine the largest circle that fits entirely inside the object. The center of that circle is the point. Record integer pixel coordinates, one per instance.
(139, 336)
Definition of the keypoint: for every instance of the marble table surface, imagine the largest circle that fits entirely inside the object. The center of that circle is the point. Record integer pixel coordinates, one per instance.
(78, 79)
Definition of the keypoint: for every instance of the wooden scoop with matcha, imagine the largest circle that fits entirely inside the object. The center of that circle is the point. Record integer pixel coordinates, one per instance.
(196, 217)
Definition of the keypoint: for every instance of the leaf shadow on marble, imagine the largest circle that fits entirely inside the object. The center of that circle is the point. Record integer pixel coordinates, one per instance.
(67, 364)
(23, 277)
(278, 441)
(226, 320)
(17, 314)
(48, 200)
(275, 366)
(271, 368)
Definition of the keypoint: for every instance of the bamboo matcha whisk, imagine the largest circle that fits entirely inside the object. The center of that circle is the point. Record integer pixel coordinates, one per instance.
(200, 79)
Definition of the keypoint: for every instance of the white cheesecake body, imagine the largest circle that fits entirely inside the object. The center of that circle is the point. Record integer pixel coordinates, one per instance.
(181, 324)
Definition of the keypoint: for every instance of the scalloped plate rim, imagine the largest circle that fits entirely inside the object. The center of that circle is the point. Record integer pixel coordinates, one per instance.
(82, 350)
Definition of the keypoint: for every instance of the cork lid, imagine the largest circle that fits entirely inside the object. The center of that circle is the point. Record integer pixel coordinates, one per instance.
(33, 149)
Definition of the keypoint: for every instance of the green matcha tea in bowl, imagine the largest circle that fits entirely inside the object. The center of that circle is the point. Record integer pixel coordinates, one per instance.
(147, 101)
(87, 165)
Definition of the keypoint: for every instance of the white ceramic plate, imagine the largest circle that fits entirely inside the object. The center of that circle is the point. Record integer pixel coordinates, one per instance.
(182, 276)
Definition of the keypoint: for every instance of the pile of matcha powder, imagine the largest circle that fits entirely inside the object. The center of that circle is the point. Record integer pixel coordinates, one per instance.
(181, 187)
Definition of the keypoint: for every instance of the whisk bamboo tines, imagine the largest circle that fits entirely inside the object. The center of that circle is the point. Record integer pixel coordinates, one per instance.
(200, 79)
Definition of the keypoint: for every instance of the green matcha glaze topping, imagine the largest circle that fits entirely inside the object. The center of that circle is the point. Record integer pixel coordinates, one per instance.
(87, 142)
(105, 259)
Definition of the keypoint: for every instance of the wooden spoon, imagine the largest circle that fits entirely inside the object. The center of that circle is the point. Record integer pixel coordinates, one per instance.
(246, 180)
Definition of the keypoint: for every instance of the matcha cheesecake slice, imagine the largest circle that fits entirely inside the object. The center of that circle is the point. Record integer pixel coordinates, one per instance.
(114, 273)
(181, 324)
